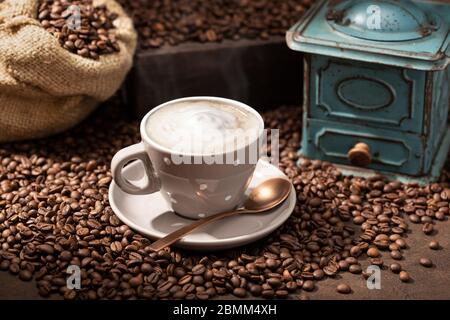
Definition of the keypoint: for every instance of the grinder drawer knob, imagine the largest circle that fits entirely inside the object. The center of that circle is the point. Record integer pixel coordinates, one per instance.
(359, 155)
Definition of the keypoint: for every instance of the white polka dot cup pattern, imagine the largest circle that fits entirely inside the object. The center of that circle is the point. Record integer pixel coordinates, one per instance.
(193, 189)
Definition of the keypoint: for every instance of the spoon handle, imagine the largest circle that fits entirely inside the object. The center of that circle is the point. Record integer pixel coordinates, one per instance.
(180, 233)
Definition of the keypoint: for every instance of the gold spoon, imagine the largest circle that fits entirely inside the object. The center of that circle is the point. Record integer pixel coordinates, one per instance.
(266, 196)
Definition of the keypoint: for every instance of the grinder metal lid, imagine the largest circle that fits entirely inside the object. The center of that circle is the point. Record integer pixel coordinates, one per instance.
(406, 33)
(382, 20)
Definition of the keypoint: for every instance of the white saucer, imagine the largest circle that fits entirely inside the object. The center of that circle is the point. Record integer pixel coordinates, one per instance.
(151, 214)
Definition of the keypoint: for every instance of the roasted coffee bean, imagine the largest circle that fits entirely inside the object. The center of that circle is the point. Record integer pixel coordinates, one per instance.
(440, 216)
(25, 275)
(426, 219)
(116, 246)
(343, 288)
(44, 291)
(45, 248)
(274, 282)
(355, 251)
(404, 276)
(308, 285)
(135, 282)
(315, 202)
(240, 292)
(212, 292)
(427, 263)
(185, 279)
(58, 281)
(179, 295)
(14, 268)
(351, 260)
(165, 286)
(202, 295)
(272, 263)
(312, 247)
(414, 218)
(427, 228)
(256, 290)
(221, 274)
(146, 268)
(4, 265)
(394, 247)
(395, 267)
(331, 270)
(208, 276)
(291, 285)
(377, 262)
(381, 244)
(434, 245)
(188, 288)
(373, 252)
(281, 294)
(93, 37)
(198, 269)
(359, 220)
(355, 269)
(65, 256)
(396, 255)
(319, 274)
(343, 265)
(268, 294)
(401, 243)
(198, 280)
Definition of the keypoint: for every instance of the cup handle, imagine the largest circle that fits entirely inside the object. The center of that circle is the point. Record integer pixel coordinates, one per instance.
(124, 156)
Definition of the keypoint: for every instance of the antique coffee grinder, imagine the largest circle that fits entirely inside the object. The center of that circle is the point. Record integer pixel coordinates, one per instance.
(376, 85)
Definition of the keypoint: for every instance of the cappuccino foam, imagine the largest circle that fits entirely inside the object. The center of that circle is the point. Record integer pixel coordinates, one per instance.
(203, 127)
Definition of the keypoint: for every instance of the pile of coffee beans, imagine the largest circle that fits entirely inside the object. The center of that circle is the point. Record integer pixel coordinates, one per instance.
(161, 22)
(80, 27)
(54, 212)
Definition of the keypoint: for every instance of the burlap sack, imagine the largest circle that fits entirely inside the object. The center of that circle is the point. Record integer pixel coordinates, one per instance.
(45, 89)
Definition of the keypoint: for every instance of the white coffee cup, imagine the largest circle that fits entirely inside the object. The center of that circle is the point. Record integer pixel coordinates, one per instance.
(194, 190)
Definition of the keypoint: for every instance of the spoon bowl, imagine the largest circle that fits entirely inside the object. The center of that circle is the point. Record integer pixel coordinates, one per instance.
(267, 195)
